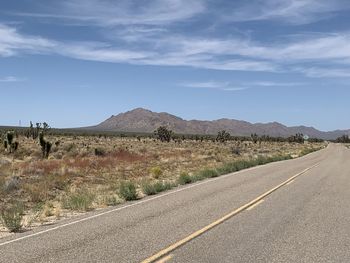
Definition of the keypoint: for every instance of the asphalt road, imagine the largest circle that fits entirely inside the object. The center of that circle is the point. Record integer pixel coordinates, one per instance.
(305, 220)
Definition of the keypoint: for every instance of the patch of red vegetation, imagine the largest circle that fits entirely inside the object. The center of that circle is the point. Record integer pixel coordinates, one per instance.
(41, 167)
(126, 156)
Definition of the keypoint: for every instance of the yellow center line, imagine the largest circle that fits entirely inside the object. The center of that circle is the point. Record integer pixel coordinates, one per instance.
(255, 205)
(199, 232)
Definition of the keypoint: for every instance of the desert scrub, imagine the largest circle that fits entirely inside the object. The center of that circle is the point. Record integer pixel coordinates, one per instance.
(127, 190)
(11, 216)
(79, 201)
(100, 152)
(184, 178)
(156, 172)
(208, 173)
(151, 188)
(307, 151)
(11, 184)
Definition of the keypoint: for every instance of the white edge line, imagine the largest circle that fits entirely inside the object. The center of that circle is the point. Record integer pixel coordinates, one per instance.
(131, 205)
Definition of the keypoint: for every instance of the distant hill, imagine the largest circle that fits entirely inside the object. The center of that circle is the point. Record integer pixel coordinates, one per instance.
(143, 120)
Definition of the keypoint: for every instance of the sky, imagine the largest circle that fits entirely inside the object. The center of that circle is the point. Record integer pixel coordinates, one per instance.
(74, 63)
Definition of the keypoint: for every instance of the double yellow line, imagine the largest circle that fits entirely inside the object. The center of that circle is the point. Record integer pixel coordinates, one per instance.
(187, 239)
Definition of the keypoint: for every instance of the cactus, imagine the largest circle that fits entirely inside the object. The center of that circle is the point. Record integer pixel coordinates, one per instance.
(163, 134)
(223, 136)
(9, 144)
(45, 145)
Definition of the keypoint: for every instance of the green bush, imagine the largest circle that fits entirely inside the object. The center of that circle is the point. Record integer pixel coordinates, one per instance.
(80, 201)
(184, 178)
(12, 216)
(208, 173)
(99, 152)
(127, 190)
(307, 151)
(156, 172)
(150, 188)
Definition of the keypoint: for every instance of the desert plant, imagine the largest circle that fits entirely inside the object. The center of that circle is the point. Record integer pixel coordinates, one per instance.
(184, 178)
(127, 190)
(9, 144)
(45, 146)
(343, 139)
(298, 138)
(156, 172)
(100, 152)
(151, 188)
(148, 188)
(11, 184)
(79, 201)
(223, 136)
(254, 137)
(208, 173)
(12, 216)
(163, 134)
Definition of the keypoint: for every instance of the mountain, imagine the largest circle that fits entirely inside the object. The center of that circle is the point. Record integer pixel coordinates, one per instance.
(143, 120)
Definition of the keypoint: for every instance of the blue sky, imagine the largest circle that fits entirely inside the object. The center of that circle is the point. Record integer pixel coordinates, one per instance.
(75, 63)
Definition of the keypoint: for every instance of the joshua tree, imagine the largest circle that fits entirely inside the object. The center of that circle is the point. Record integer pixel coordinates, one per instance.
(163, 134)
(223, 136)
(45, 146)
(255, 138)
(9, 143)
(299, 138)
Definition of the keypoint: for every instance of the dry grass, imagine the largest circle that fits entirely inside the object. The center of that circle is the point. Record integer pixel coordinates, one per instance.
(99, 165)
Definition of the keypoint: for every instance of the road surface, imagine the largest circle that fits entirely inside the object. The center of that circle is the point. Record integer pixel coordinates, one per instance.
(291, 211)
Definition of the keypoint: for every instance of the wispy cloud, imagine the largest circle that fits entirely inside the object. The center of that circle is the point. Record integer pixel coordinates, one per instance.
(274, 84)
(289, 11)
(226, 86)
(12, 43)
(235, 86)
(143, 35)
(122, 12)
(10, 79)
(318, 72)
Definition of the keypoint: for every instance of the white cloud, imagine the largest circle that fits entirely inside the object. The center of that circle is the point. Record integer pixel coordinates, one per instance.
(166, 49)
(274, 84)
(122, 12)
(225, 86)
(289, 11)
(316, 72)
(11, 42)
(10, 79)
(229, 86)
(209, 84)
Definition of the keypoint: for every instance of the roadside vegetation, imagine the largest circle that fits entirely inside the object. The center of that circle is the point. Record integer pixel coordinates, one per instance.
(46, 175)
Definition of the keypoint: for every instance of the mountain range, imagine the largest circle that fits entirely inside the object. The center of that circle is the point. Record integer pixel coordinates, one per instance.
(146, 121)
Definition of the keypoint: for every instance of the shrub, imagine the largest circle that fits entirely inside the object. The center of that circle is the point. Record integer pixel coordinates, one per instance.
(208, 173)
(9, 144)
(156, 172)
(100, 152)
(184, 178)
(127, 190)
(11, 184)
(163, 134)
(12, 216)
(80, 201)
(223, 136)
(235, 150)
(148, 188)
(307, 151)
(45, 146)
